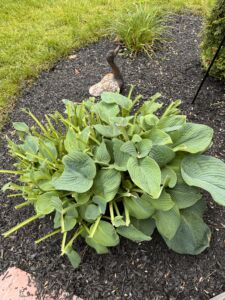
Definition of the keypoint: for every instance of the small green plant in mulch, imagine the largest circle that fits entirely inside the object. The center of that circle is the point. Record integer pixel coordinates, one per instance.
(213, 33)
(104, 172)
(139, 28)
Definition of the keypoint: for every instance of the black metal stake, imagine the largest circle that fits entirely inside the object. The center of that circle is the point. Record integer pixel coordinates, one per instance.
(207, 72)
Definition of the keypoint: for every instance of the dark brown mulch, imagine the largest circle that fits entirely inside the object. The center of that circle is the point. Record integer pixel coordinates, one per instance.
(131, 271)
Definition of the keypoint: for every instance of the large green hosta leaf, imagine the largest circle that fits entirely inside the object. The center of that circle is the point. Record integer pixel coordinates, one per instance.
(119, 99)
(139, 149)
(120, 121)
(74, 257)
(206, 172)
(143, 148)
(70, 218)
(175, 165)
(167, 222)
(169, 177)
(184, 195)
(147, 226)
(106, 111)
(192, 138)
(139, 207)
(157, 137)
(107, 130)
(98, 248)
(78, 175)
(44, 205)
(162, 154)
(132, 233)
(107, 183)
(164, 202)
(120, 157)
(148, 121)
(193, 235)
(101, 154)
(171, 123)
(146, 174)
(105, 234)
(92, 212)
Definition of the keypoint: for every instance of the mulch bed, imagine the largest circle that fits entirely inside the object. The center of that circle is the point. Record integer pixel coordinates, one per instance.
(147, 270)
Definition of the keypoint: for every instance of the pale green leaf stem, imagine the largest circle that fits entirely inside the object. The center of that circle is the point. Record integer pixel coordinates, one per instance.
(47, 236)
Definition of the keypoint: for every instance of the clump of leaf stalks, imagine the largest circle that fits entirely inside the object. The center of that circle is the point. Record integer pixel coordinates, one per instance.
(104, 173)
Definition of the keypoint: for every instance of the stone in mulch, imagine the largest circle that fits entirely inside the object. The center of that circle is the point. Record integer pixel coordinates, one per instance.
(219, 297)
(16, 284)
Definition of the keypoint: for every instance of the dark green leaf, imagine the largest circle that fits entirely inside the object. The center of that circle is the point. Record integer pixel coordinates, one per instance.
(164, 202)
(193, 235)
(140, 208)
(184, 195)
(74, 257)
(147, 226)
(69, 222)
(101, 202)
(118, 221)
(167, 222)
(98, 248)
(92, 212)
(105, 234)
(132, 233)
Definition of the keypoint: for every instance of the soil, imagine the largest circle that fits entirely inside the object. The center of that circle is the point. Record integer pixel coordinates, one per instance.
(146, 270)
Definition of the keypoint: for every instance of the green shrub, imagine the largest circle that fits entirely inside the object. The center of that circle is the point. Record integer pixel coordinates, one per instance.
(213, 33)
(139, 28)
(104, 173)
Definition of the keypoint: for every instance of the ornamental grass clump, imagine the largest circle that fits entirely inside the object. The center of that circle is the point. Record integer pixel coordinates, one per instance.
(104, 173)
(139, 28)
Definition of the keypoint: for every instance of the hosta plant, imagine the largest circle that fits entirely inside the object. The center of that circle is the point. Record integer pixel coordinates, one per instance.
(104, 170)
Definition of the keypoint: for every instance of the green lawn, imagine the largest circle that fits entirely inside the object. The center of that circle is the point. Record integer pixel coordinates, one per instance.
(34, 33)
